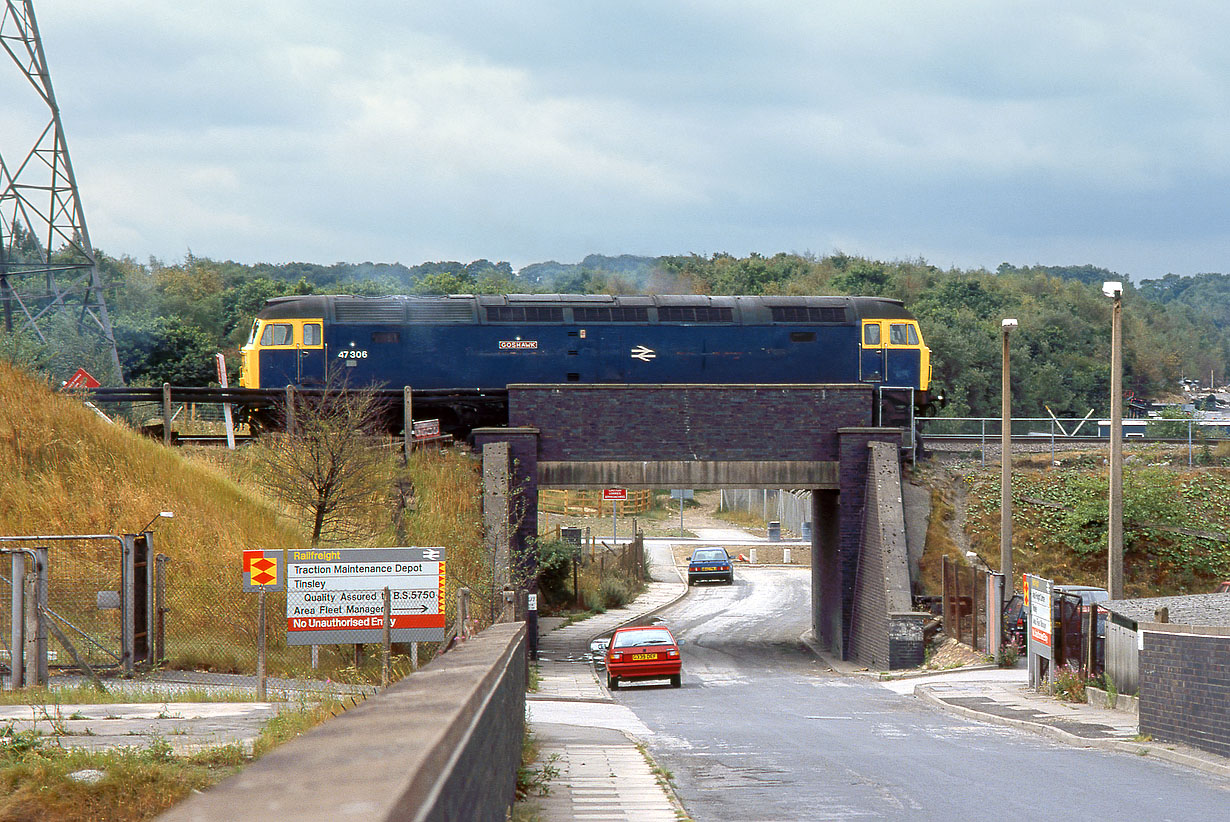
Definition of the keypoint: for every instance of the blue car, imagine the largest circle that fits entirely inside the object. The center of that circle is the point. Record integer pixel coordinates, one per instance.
(711, 564)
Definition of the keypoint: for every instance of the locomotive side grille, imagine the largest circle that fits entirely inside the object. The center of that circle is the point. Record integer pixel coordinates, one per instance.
(440, 311)
(623, 314)
(694, 314)
(369, 310)
(525, 314)
(808, 314)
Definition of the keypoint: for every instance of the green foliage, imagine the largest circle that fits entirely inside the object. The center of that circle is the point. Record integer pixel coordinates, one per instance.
(166, 350)
(555, 572)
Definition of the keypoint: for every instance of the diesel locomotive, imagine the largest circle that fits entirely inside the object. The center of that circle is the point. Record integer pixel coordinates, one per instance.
(472, 344)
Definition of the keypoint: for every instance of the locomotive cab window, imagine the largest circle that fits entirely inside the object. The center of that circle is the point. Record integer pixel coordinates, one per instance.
(278, 334)
(311, 334)
(902, 334)
(871, 334)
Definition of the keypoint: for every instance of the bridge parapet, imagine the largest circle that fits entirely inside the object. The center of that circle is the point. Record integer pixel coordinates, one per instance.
(443, 743)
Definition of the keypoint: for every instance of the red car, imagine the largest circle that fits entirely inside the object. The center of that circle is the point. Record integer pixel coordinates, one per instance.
(1224, 588)
(647, 652)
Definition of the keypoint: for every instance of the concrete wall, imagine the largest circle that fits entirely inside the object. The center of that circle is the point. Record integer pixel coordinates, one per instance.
(441, 744)
(1185, 685)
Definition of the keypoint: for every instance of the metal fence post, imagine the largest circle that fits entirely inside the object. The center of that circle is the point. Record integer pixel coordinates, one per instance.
(30, 649)
(18, 616)
(160, 598)
(407, 405)
(386, 642)
(40, 608)
(127, 598)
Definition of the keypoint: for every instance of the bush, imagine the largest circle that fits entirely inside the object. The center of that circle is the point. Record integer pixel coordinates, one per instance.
(614, 591)
(555, 573)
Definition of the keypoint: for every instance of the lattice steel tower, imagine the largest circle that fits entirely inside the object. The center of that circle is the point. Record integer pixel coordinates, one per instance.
(47, 265)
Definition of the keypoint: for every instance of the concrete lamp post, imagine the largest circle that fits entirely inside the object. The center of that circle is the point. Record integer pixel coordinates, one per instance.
(1005, 476)
(1114, 560)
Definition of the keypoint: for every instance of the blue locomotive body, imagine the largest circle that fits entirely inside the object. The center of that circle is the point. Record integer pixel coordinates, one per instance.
(489, 342)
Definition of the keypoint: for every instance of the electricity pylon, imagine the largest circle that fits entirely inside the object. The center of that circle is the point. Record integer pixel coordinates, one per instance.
(47, 265)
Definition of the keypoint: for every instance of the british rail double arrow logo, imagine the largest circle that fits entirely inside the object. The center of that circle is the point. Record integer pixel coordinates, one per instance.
(643, 354)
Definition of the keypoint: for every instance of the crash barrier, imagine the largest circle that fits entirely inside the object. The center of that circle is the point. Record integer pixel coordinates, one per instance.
(442, 744)
(1184, 679)
(591, 503)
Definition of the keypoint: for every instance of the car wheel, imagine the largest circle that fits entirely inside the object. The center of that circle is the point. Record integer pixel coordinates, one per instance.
(677, 681)
(691, 582)
(612, 682)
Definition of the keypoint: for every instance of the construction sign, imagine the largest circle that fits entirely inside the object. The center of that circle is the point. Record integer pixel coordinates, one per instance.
(264, 571)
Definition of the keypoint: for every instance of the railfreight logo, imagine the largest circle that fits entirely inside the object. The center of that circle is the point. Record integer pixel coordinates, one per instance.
(517, 345)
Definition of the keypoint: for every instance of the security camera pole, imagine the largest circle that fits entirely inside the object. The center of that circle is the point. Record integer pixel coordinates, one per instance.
(1114, 571)
(1005, 477)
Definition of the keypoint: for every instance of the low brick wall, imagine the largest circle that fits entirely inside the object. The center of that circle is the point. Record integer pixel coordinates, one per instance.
(441, 744)
(1185, 685)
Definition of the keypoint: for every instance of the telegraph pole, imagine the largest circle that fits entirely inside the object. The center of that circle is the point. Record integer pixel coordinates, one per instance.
(1114, 561)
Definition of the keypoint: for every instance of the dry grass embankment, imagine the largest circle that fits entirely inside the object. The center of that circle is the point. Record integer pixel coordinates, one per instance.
(63, 470)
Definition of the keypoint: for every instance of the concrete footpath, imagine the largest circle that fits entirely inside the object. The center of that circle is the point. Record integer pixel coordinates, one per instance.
(586, 740)
(1008, 700)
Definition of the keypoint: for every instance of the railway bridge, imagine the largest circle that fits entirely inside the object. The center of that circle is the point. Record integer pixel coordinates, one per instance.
(806, 436)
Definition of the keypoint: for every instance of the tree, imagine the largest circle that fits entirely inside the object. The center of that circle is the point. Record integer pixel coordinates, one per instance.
(330, 467)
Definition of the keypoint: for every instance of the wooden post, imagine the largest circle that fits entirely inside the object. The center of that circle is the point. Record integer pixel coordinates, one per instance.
(973, 606)
(407, 402)
(945, 597)
(290, 410)
(166, 413)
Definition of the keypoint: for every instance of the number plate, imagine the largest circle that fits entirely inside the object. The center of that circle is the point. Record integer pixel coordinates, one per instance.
(638, 657)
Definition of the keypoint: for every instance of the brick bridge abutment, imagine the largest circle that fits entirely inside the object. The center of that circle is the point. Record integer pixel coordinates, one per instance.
(815, 437)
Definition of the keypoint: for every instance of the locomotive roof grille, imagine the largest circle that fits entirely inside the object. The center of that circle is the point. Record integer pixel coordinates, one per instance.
(695, 314)
(808, 314)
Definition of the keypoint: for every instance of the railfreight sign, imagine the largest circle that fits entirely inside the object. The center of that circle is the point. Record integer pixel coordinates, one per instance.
(336, 596)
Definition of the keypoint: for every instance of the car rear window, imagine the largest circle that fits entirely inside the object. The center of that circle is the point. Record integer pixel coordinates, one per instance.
(627, 639)
(709, 554)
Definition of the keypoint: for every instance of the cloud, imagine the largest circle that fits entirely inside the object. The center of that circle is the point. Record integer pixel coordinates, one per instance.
(297, 129)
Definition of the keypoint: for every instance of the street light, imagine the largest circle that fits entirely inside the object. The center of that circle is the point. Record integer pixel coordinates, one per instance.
(1114, 552)
(156, 517)
(1005, 475)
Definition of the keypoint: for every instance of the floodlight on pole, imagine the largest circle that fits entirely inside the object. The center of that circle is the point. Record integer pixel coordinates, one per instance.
(156, 517)
(1005, 463)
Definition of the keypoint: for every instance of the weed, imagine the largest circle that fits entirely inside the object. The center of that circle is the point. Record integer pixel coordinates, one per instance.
(531, 779)
(1069, 685)
(1009, 653)
(534, 678)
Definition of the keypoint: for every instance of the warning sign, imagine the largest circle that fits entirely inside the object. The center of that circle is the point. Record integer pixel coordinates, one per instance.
(262, 571)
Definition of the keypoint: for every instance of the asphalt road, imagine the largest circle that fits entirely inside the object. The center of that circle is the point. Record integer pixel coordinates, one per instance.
(762, 731)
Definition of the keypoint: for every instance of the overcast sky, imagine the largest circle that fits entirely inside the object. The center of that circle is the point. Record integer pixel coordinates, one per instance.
(965, 133)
